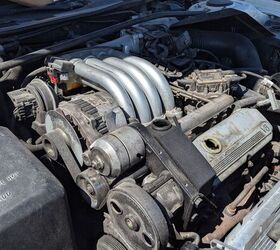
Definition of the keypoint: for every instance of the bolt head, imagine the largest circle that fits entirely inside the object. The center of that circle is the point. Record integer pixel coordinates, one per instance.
(90, 189)
(131, 223)
(97, 163)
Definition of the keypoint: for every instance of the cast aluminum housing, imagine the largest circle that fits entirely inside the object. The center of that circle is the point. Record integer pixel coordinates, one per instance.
(227, 145)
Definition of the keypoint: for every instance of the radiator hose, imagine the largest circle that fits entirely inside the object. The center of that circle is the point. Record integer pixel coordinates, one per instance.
(232, 45)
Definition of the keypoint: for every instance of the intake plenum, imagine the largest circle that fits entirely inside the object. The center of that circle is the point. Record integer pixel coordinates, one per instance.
(158, 79)
(143, 82)
(96, 76)
(128, 83)
(138, 86)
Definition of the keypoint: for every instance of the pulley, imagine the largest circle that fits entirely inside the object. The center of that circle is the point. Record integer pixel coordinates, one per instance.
(136, 218)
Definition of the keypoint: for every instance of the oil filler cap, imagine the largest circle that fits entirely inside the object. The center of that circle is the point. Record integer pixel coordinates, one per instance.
(219, 3)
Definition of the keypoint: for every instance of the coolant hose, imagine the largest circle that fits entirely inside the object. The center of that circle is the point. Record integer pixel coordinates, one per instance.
(249, 97)
(232, 45)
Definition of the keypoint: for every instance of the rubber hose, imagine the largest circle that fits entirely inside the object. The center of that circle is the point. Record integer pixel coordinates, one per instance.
(232, 45)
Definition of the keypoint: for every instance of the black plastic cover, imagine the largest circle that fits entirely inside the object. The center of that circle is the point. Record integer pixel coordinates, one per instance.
(33, 206)
(186, 156)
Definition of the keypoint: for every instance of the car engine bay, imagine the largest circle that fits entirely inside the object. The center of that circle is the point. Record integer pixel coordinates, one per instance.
(161, 121)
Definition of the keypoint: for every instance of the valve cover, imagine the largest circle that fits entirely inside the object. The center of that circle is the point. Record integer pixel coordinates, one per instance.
(227, 145)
